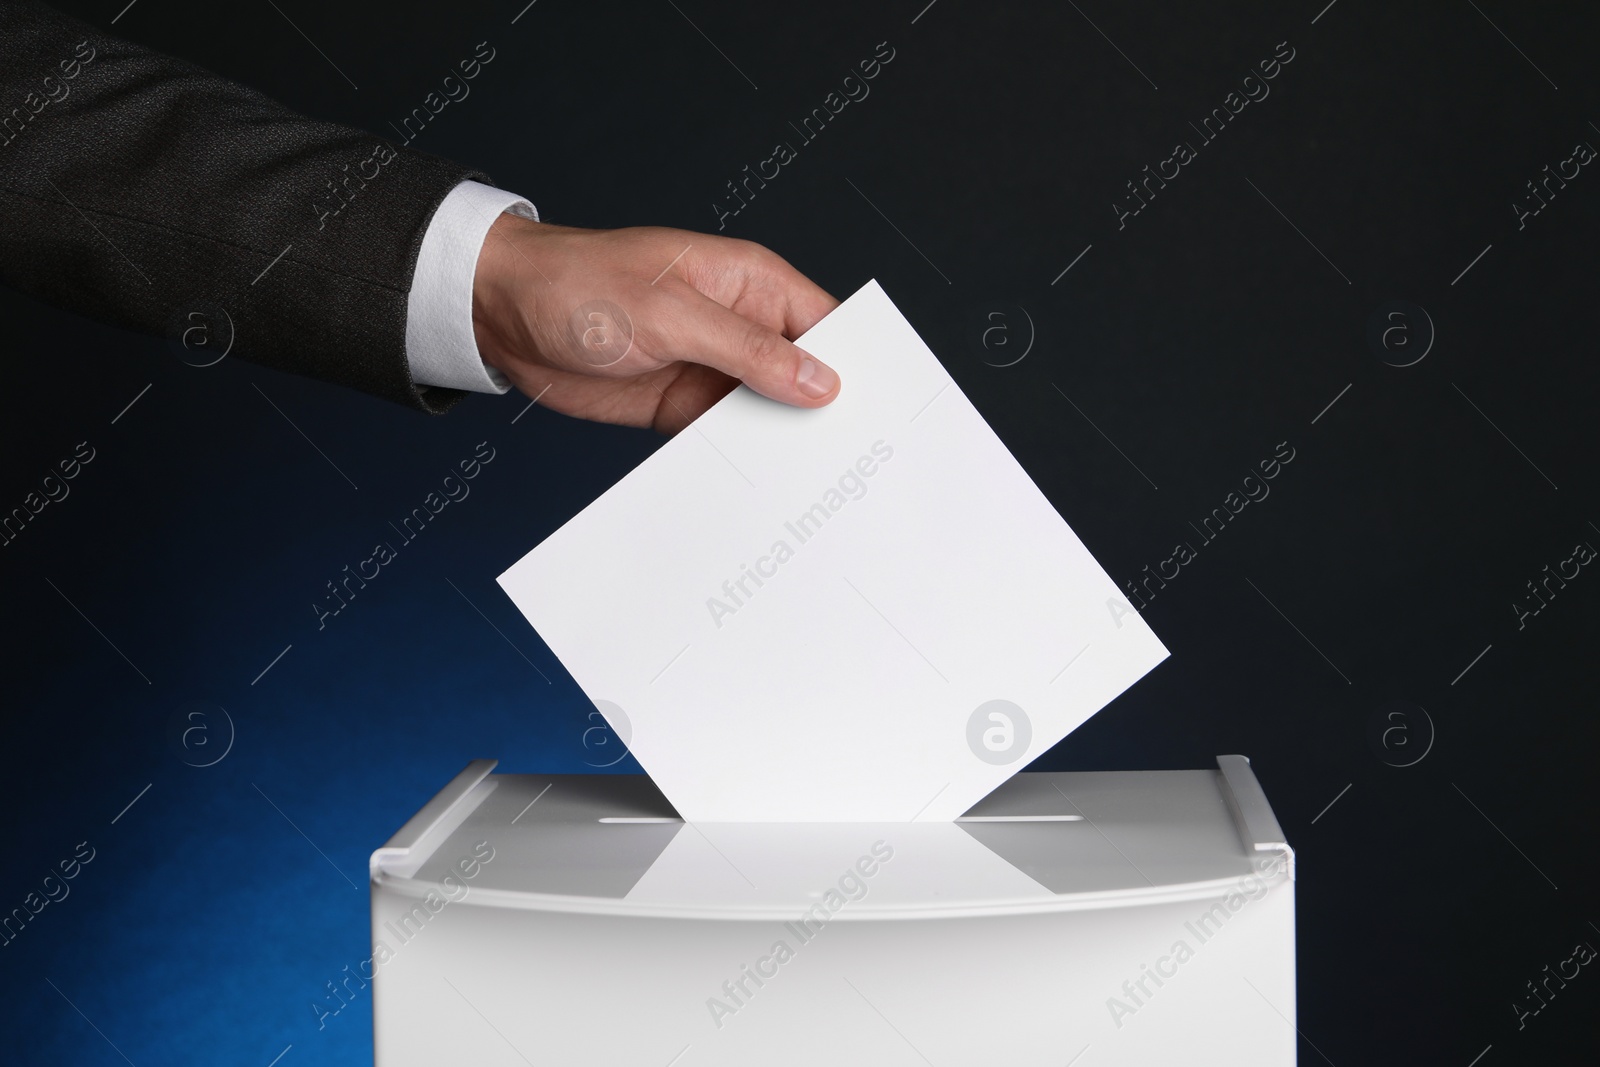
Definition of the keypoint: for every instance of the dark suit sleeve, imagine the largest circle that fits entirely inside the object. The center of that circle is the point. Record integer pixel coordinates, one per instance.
(136, 188)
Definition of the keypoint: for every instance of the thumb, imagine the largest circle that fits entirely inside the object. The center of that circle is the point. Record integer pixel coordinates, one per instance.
(706, 332)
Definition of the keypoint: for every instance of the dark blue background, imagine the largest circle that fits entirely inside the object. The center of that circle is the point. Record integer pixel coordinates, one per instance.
(1196, 339)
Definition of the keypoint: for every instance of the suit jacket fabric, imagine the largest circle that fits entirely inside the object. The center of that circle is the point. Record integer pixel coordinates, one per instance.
(146, 192)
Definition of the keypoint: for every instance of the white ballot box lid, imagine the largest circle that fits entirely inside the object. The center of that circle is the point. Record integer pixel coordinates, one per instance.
(1042, 841)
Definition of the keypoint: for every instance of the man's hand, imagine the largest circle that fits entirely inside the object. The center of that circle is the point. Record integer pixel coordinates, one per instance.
(645, 326)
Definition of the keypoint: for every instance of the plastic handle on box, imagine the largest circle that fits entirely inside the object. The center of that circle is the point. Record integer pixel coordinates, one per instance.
(1252, 814)
(398, 847)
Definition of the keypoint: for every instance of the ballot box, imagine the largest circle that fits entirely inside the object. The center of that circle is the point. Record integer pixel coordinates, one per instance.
(1087, 918)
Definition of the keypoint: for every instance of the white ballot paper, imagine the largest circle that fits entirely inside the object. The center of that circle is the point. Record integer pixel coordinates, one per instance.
(862, 612)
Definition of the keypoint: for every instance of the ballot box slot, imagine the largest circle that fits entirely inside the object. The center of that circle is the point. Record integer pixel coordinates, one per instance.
(628, 820)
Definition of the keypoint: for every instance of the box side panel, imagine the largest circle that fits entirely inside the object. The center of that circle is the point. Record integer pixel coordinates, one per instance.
(1197, 982)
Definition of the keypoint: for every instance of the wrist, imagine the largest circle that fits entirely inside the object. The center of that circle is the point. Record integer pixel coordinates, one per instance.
(496, 283)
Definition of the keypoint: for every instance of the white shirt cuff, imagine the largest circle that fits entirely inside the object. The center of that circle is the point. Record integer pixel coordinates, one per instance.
(440, 345)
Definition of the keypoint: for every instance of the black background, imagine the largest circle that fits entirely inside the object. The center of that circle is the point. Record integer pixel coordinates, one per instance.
(1218, 322)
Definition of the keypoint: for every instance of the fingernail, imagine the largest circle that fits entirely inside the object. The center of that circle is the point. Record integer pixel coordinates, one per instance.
(816, 379)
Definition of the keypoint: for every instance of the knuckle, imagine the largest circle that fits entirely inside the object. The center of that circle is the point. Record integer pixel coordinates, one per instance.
(763, 350)
(754, 254)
